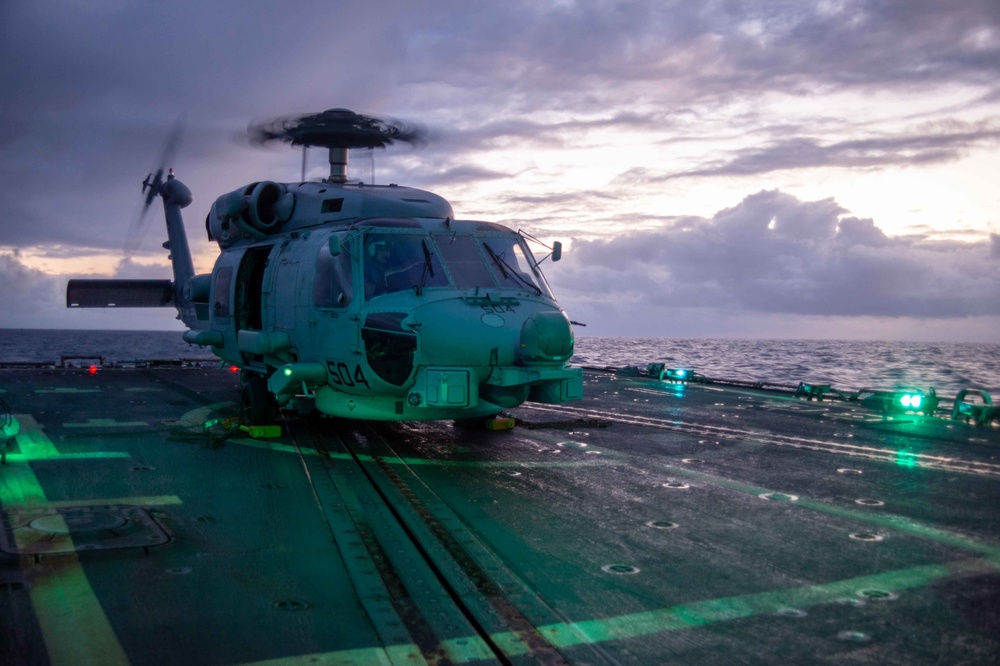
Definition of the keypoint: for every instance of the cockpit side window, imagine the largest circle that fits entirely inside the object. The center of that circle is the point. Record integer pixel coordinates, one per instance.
(400, 261)
(333, 287)
(464, 261)
(223, 280)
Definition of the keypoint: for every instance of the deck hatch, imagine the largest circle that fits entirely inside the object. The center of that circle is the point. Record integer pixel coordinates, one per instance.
(50, 531)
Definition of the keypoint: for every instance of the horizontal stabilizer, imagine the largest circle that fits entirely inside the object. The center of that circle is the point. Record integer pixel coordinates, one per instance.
(119, 294)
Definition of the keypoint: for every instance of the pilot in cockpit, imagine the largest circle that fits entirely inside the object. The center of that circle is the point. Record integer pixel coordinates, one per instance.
(377, 267)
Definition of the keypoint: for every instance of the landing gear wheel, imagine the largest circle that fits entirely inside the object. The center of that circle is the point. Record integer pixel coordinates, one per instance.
(258, 407)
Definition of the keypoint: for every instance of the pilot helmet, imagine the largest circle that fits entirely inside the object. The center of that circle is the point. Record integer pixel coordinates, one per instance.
(373, 248)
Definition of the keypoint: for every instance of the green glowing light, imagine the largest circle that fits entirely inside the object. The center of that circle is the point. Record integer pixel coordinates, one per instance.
(906, 459)
(288, 372)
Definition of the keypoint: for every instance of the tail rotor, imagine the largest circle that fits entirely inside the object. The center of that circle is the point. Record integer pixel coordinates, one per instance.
(151, 187)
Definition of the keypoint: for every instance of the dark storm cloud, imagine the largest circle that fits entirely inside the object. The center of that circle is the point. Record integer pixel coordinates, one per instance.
(775, 254)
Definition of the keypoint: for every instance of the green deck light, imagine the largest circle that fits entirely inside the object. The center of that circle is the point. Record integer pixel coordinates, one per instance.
(676, 375)
(288, 372)
(903, 400)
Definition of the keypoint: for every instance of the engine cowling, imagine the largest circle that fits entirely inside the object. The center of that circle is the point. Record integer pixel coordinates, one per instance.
(256, 210)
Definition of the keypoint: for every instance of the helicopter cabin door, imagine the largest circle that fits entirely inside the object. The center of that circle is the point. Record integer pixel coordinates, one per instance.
(248, 301)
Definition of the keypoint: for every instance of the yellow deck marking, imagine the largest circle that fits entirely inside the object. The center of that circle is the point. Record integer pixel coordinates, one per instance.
(74, 626)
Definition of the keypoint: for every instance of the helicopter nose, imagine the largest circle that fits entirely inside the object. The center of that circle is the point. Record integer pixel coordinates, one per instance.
(546, 337)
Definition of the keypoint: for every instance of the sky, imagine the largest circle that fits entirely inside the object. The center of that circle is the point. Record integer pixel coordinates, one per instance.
(822, 169)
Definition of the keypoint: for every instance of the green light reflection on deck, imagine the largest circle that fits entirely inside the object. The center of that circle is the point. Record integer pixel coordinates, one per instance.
(906, 459)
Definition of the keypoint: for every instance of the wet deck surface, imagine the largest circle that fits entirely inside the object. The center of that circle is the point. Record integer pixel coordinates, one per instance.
(646, 524)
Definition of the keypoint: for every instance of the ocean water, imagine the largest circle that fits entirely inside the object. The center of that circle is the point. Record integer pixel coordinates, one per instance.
(847, 365)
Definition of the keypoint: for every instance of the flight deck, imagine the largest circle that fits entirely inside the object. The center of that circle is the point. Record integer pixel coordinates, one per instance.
(651, 522)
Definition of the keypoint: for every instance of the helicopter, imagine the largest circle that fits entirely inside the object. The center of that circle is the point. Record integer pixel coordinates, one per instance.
(355, 300)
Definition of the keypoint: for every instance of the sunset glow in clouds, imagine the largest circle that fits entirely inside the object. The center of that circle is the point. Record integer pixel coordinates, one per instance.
(740, 169)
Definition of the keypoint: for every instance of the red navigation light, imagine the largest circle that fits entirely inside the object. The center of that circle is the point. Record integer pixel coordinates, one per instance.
(233, 368)
(92, 370)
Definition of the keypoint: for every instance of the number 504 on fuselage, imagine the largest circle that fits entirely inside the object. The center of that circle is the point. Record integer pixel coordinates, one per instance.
(366, 301)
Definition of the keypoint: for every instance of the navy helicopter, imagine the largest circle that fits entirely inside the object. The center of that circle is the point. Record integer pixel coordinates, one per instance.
(358, 301)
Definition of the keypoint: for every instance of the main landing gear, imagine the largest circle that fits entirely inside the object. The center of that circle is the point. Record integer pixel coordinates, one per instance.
(258, 407)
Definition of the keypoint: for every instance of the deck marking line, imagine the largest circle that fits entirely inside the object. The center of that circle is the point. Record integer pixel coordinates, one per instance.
(73, 623)
(883, 455)
(891, 521)
(20, 457)
(70, 391)
(690, 615)
(32, 441)
(34, 444)
(106, 423)
(354, 657)
(700, 613)
(152, 500)
(287, 448)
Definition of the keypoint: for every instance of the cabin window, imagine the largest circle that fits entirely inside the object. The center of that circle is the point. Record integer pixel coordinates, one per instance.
(464, 261)
(396, 262)
(223, 281)
(333, 287)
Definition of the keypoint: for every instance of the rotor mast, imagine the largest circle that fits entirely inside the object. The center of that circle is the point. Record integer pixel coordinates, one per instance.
(338, 164)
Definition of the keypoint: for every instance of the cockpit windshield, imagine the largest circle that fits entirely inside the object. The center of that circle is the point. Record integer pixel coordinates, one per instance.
(398, 261)
(395, 262)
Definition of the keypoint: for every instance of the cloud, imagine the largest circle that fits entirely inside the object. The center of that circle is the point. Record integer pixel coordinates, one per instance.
(926, 146)
(27, 290)
(773, 253)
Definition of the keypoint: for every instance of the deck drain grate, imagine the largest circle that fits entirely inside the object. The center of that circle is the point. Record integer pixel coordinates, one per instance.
(866, 536)
(878, 595)
(692, 461)
(662, 525)
(854, 636)
(791, 612)
(848, 470)
(869, 502)
(620, 569)
(779, 497)
(290, 605)
(676, 485)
